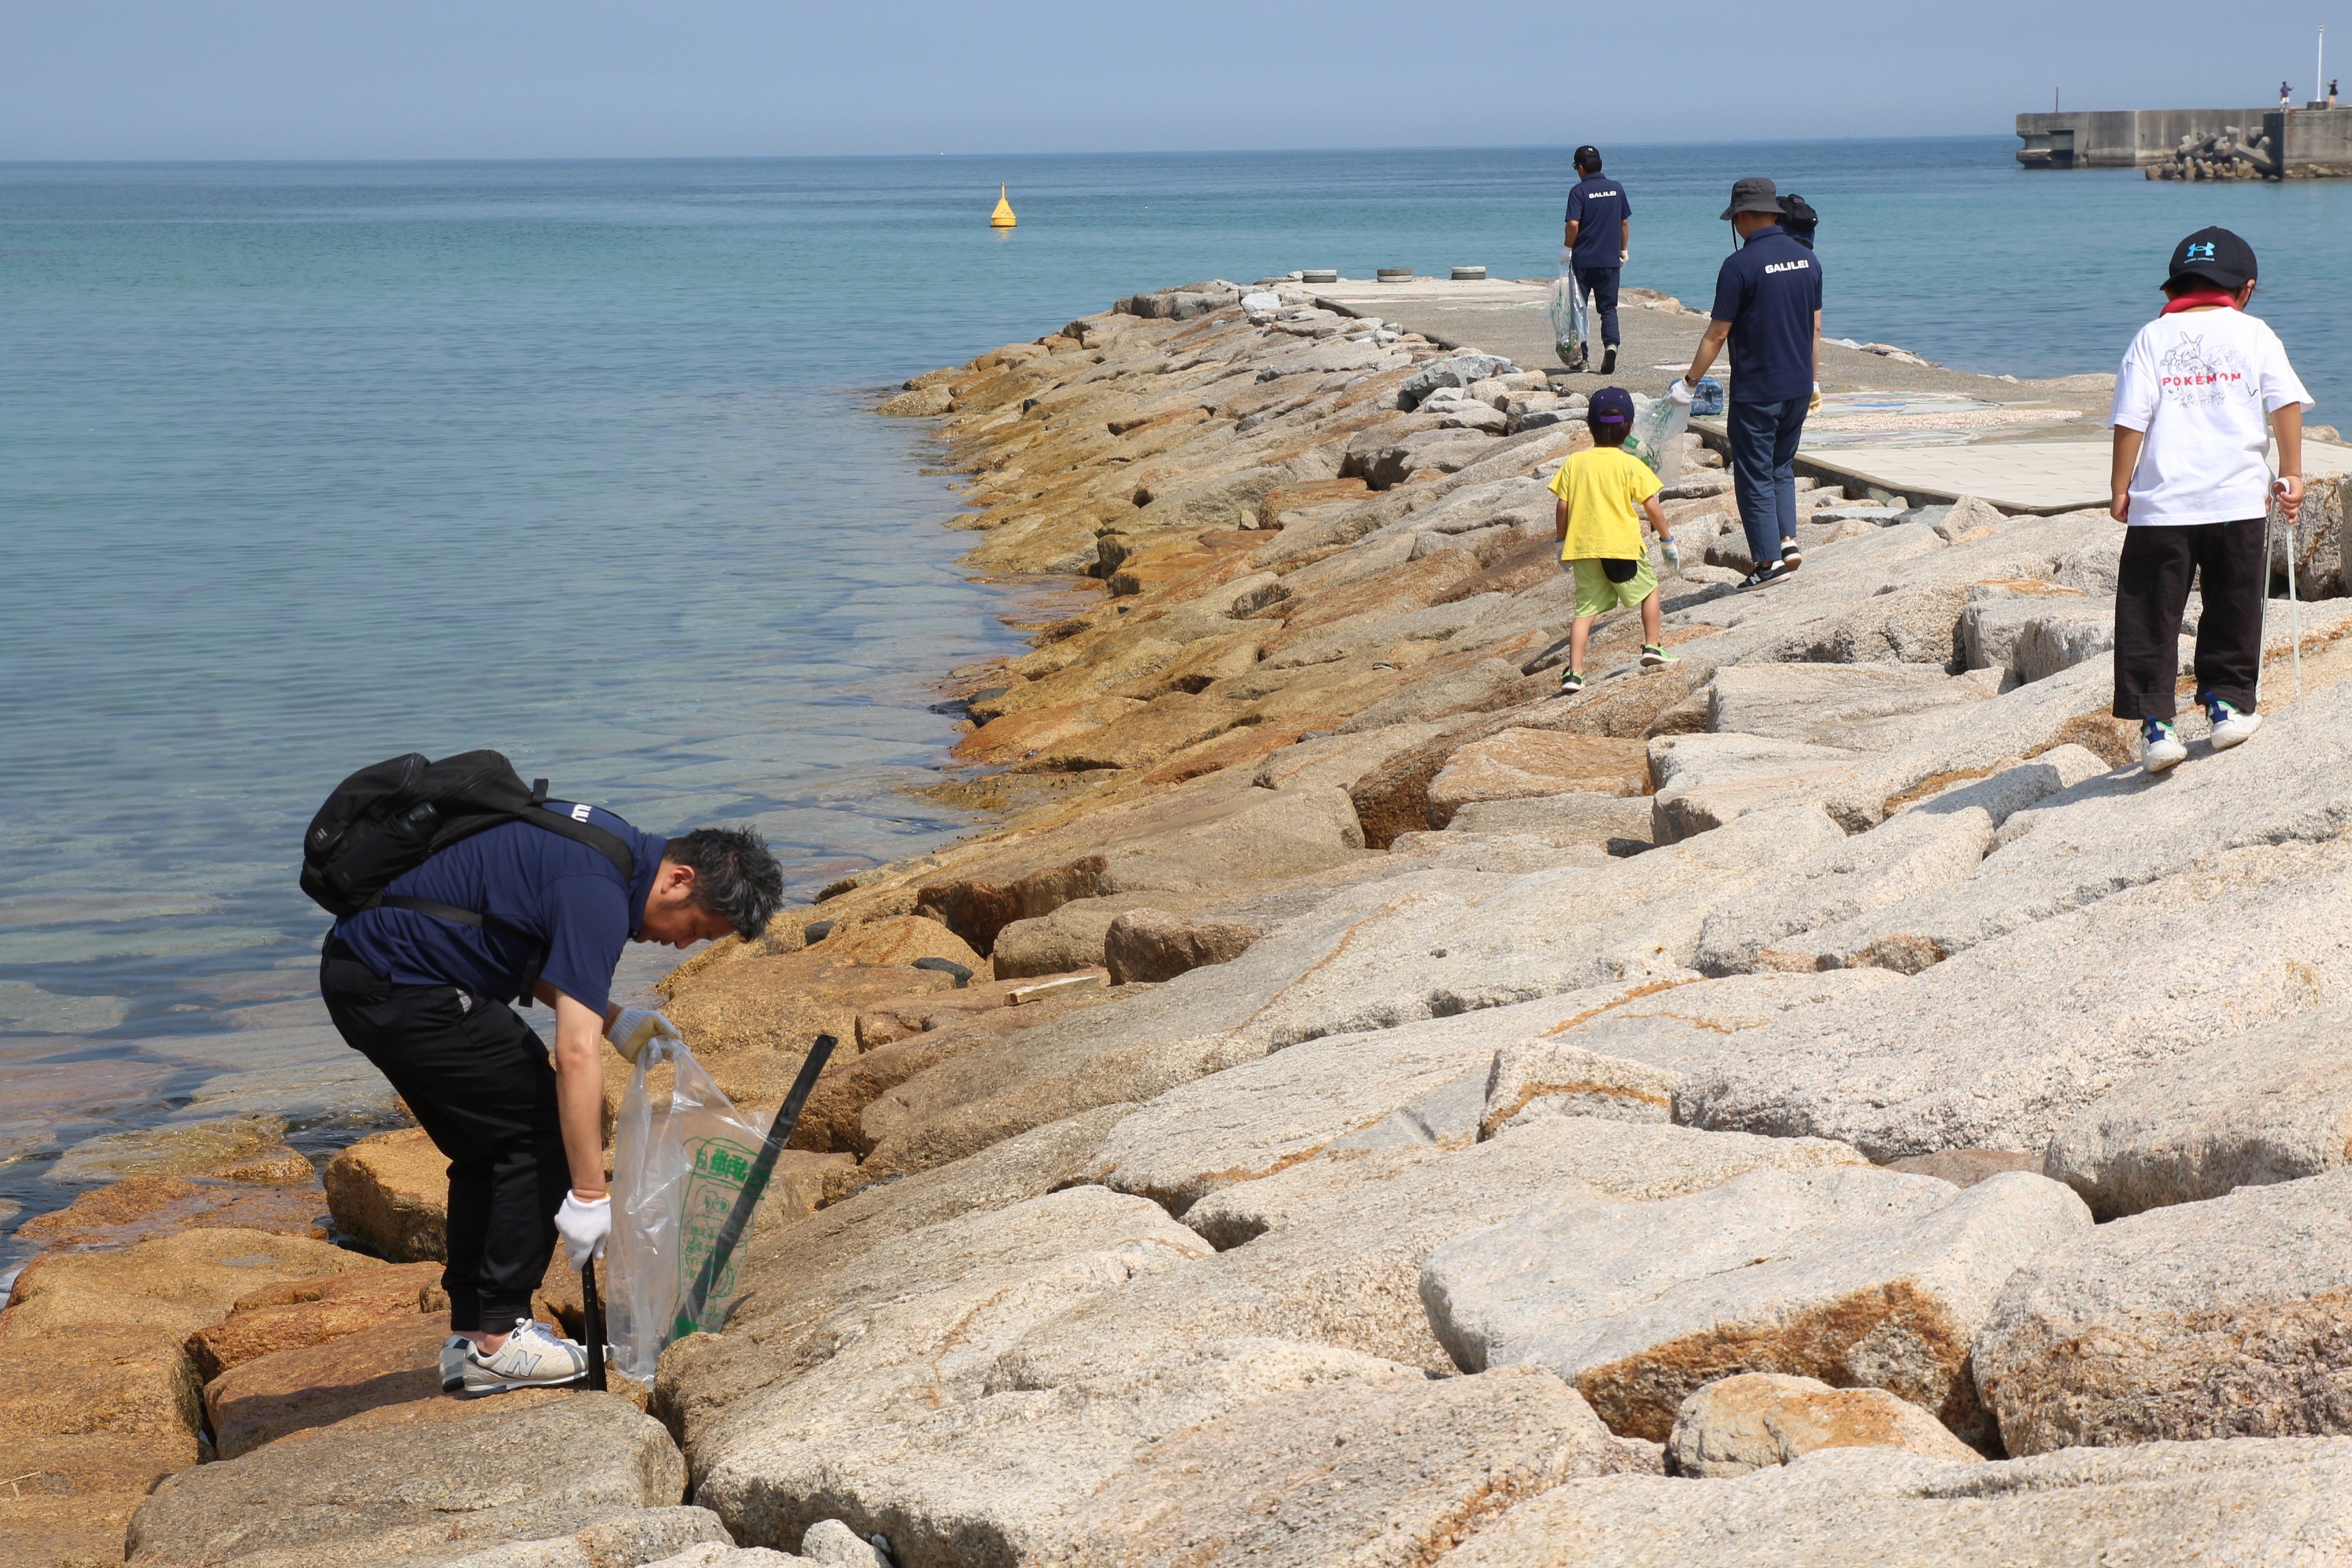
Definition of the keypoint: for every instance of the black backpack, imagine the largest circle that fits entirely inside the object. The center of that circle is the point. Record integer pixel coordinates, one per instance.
(1798, 216)
(388, 819)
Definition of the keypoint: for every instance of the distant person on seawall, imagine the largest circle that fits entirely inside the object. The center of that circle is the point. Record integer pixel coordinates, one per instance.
(1768, 308)
(2286, 95)
(419, 983)
(2331, 92)
(1598, 242)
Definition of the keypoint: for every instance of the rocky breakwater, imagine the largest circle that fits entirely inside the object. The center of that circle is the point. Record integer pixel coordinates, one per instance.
(1501, 1126)
(1818, 1101)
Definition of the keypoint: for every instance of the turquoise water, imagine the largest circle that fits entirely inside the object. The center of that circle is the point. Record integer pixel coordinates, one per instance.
(304, 465)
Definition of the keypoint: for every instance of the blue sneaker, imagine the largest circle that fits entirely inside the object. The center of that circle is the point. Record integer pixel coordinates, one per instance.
(2159, 747)
(2230, 728)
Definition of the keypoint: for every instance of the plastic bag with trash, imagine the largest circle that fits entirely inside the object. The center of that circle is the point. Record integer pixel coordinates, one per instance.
(1572, 322)
(1656, 437)
(677, 1172)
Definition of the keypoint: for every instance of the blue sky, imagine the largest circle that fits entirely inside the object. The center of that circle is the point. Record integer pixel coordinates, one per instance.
(433, 79)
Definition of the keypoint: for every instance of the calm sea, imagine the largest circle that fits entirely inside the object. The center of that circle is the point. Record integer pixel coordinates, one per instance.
(305, 464)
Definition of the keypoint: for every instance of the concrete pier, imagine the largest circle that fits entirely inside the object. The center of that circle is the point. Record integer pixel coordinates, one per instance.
(2306, 144)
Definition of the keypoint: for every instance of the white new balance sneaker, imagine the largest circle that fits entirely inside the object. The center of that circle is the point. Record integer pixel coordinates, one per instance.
(2230, 728)
(2160, 747)
(534, 1356)
(452, 1362)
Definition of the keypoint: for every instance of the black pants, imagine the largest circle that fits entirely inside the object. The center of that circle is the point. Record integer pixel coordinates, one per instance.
(2152, 588)
(478, 1082)
(1600, 283)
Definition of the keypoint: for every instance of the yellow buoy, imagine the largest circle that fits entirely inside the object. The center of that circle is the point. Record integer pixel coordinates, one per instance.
(1002, 217)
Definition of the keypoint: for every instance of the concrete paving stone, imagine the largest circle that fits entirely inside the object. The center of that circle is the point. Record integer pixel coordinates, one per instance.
(1859, 1277)
(2270, 1105)
(2220, 1319)
(2149, 975)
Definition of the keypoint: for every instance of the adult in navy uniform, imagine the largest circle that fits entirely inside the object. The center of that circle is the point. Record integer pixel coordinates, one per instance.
(1768, 307)
(1598, 240)
(425, 998)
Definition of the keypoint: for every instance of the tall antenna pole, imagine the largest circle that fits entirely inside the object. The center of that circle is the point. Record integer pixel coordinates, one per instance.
(2319, 69)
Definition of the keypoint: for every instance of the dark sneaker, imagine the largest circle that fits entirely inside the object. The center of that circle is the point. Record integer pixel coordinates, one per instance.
(1771, 572)
(1791, 556)
(1570, 684)
(1609, 360)
(1655, 657)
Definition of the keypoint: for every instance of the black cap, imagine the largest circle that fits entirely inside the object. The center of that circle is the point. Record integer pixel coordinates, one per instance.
(1753, 194)
(2217, 255)
(1588, 157)
(1610, 406)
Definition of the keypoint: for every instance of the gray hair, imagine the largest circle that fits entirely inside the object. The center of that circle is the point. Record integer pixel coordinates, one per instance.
(735, 876)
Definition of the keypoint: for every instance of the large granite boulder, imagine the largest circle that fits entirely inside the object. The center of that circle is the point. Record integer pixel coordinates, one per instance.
(2270, 1105)
(1759, 1419)
(1858, 1277)
(2172, 1503)
(381, 1495)
(2221, 1319)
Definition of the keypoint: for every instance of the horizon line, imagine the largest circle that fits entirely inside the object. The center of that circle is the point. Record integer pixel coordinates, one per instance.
(1563, 148)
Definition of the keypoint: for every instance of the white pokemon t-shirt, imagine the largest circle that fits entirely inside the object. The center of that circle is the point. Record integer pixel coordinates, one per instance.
(2203, 385)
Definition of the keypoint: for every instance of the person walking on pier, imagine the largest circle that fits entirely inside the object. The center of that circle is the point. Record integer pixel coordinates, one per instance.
(2286, 95)
(1598, 242)
(1768, 308)
(2202, 393)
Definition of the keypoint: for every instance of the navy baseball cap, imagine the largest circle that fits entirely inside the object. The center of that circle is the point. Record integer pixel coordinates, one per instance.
(1611, 406)
(2217, 255)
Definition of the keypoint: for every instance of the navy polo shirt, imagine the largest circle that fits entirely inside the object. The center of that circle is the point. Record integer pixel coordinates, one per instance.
(564, 894)
(1599, 203)
(1769, 289)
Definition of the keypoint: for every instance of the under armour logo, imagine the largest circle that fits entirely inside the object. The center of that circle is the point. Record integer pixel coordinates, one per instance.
(2201, 251)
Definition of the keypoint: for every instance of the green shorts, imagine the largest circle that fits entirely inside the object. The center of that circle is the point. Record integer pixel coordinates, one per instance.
(1597, 596)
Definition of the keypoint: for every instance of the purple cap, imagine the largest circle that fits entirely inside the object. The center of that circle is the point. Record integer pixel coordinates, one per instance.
(1610, 406)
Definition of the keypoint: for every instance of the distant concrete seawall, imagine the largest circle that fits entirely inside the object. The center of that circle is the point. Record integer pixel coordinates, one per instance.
(2300, 143)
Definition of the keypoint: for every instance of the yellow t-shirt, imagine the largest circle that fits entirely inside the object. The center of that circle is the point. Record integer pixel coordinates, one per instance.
(1604, 488)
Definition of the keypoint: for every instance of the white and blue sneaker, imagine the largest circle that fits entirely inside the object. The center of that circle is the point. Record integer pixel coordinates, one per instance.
(534, 1356)
(2160, 748)
(2230, 728)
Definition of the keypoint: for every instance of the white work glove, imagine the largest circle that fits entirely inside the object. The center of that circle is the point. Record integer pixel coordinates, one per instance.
(1673, 553)
(1815, 406)
(1679, 391)
(1566, 256)
(585, 1226)
(638, 1027)
(1624, 256)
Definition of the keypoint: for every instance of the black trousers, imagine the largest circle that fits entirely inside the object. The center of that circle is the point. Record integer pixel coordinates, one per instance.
(478, 1082)
(2151, 590)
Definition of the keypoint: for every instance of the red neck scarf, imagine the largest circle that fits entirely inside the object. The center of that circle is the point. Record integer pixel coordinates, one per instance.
(2200, 299)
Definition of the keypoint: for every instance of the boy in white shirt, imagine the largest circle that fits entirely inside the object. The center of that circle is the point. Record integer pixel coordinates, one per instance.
(2203, 391)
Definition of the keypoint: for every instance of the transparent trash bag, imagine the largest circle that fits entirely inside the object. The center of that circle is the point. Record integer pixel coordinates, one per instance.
(677, 1171)
(1657, 438)
(1572, 322)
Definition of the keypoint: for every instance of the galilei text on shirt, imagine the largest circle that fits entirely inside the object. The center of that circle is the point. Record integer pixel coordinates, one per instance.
(1773, 266)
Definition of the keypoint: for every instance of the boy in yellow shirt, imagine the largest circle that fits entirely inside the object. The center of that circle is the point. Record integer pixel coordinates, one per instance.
(1601, 533)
